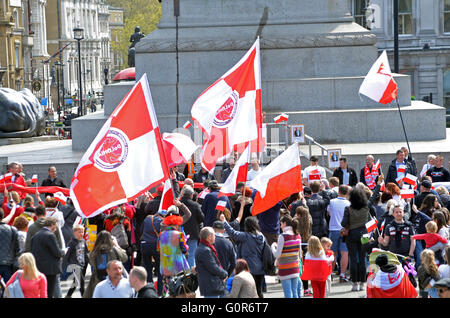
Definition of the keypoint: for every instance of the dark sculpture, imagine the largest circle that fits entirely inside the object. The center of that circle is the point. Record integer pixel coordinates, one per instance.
(21, 114)
(135, 38)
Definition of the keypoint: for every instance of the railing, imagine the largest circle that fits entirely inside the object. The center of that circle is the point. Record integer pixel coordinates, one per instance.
(308, 140)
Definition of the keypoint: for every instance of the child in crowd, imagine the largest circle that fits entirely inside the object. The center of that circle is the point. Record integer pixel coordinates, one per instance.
(427, 274)
(326, 245)
(433, 241)
(76, 260)
(316, 267)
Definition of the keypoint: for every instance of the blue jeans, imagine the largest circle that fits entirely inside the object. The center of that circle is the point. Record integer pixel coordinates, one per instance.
(290, 287)
(192, 243)
(417, 251)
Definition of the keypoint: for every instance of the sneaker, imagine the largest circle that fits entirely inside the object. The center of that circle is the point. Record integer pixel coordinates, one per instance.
(354, 286)
(361, 286)
(307, 293)
(343, 279)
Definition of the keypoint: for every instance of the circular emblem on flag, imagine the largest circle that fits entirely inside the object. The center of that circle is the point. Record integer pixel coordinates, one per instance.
(227, 111)
(113, 151)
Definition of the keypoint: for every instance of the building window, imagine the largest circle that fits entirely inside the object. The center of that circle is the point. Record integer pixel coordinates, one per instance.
(17, 53)
(447, 16)
(447, 90)
(359, 12)
(405, 17)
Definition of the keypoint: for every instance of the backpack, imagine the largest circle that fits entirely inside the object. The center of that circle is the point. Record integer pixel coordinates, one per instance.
(102, 262)
(119, 233)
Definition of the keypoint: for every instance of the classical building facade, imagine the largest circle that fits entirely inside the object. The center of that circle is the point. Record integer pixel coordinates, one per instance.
(116, 24)
(11, 44)
(93, 16)
(424, 42)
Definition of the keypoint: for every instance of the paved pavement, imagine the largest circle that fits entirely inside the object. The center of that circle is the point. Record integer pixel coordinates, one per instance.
(274, 290)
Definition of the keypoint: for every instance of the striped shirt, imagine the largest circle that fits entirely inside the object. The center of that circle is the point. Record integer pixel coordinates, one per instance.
(288, 251)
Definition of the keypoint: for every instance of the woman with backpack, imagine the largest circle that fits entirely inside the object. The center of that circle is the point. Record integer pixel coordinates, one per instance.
(105, 249)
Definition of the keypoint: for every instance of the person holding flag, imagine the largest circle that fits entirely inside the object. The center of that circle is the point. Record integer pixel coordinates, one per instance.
(210, 204)
(398, 235)
(370, 172)
(398, 169)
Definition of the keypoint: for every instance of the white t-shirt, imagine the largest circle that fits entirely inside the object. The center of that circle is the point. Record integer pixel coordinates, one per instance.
(336, 209)
(253, 173)
(314, 173)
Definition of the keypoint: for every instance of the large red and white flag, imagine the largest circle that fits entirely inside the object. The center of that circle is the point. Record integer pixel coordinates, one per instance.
(125, 159)
(390, 285)
(178, 148)
(238, 174)
(167, 196)
(281, 178)
(379, 85)
(6, 177)
(229, 112)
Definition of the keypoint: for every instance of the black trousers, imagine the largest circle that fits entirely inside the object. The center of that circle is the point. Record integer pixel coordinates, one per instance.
(51, 285)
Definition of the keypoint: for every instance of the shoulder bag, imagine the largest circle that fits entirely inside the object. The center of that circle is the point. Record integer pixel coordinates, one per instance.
(344, 231)
(14, 289)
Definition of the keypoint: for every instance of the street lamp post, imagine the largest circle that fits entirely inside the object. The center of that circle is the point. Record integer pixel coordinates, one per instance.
(79, 35)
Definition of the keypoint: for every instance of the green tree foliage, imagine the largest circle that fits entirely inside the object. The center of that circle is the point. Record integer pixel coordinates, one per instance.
(143, 13)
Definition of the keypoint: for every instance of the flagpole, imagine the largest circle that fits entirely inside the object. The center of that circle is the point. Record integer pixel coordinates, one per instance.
(403, 125)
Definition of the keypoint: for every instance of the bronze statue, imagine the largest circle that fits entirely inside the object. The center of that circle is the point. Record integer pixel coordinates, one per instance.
(134, 39)
(21, 114)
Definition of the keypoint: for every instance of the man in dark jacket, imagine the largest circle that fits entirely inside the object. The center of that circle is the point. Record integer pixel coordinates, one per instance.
(345, 174)
(395, 171)
(47, 253)
(193, 225)
(9, 249)
(318, 210)
(52, 180)
(138, 280)
(209, 204)
(211, 275)
(225, 249)
(203, 175)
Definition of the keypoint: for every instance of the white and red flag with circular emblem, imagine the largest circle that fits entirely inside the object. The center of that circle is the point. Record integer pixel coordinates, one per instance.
(379, 85)
(229, 111)
(124, 160)
(178, 148)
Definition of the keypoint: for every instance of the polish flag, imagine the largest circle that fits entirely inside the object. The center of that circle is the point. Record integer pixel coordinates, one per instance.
(229, 112)
(34, 178)
(281, 178)
(187, 125)
(382, 186)
(401, 169)
(125, 159)
(178, 148)
(238, 174)
(60, 197)
(6, 177)
(379, 85)
(399, 179)
(314, 268)
(167, 196)
(410, 179)
(281, 118)
(382, 226)
(221, 205)
(394, 284)
(407, 193)
(371, 225)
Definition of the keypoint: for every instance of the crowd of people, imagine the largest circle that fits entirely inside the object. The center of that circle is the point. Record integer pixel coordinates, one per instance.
(309, 241)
